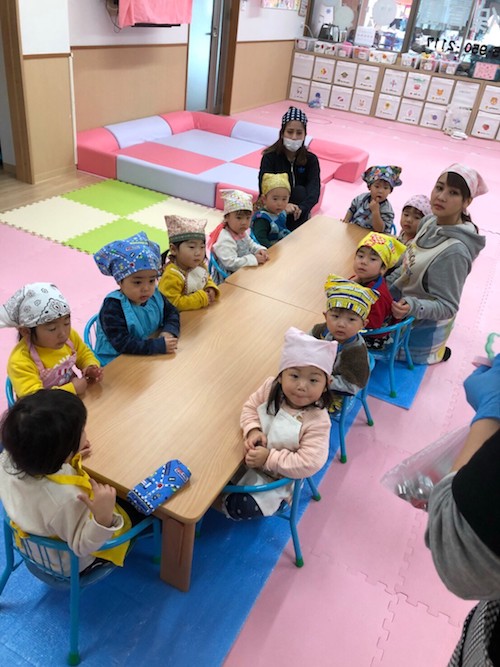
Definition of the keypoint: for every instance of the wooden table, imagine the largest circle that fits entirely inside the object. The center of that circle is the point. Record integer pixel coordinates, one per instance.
(300, 263)
(148, 410)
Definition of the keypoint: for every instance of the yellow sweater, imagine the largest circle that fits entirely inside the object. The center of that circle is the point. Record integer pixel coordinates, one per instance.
(24, 374)
(173, 285)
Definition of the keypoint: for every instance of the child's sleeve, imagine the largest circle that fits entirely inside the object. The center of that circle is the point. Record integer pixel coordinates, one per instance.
(84, 355)
(352, 372)
(114, 326)
(23, 372)
(261, 228)
(381, 311)
(387, 216)
(171, 285)
(171, 322)
(226, 251)
(73, 523)
(312, 453)
(249, 416)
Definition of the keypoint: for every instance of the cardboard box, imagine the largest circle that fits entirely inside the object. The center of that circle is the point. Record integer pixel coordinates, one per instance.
(299, 90)
(433, 116)
(303, 64)
(345, 73)
(416, 85)
(362, 101)
(393, 82)
(410, 111)
(486, 125)
(367, 77)
(387, 106)
(440, 90)
(490, 100)
(340, 98)
(320, 93)
(323, 70)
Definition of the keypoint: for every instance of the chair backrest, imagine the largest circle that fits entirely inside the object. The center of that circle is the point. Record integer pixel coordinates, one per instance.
(393, 231)
(9, 392)
(400, 330)
(89, 333)
(216, 271)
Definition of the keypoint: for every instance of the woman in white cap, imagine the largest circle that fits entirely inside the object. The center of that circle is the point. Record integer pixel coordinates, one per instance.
(429, 283)
(289, 155)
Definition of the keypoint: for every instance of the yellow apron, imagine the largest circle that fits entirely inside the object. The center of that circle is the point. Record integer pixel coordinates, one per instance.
(117, 554)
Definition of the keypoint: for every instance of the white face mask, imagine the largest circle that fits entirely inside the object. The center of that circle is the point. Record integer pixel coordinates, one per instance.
(292, 145)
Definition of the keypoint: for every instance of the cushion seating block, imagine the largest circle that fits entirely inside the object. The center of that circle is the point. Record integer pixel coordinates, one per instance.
(209, 122)
(353, 160)
(251, 159)
(210, 144)
(163, 179)
(137, 131)
(236, 174)
(175, 158)
(95, 152)
(179, 121)
(328, 169)
(257, 134)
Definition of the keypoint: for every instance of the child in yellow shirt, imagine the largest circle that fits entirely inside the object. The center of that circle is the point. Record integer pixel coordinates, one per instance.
(185, 281)
(49, 348)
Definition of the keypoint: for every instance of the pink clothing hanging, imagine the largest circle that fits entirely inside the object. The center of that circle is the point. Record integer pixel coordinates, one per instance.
(154, 11)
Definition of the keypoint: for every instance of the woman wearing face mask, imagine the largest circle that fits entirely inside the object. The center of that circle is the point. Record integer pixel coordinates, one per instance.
(289, 155)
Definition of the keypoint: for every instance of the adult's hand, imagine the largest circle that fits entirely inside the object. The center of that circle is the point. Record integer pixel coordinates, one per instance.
(482, 389)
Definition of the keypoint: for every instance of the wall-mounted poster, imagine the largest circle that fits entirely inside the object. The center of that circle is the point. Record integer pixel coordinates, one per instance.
(294, 5)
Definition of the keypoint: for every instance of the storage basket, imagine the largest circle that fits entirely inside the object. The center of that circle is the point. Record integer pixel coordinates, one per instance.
(410, 60)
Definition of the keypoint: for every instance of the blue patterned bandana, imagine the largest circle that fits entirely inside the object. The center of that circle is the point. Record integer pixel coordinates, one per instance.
(294, 114)
(123, 258)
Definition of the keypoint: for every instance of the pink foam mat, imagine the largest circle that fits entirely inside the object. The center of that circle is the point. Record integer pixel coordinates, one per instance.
(168, 156)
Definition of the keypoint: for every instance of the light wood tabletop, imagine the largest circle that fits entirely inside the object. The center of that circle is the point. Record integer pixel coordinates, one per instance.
(299, 263)
(148, 410)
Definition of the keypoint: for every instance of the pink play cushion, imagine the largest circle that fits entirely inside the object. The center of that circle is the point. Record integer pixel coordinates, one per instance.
(250, 160)
(211, 123)
(96, 152)
(327, 169)
(179, 121)
(168, 156)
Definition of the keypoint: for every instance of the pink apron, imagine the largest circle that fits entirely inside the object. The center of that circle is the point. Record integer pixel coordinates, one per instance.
(58, 375)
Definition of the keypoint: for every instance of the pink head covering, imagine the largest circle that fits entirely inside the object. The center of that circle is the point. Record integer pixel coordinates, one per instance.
(301, 349)
(421, 203)
(473, 179)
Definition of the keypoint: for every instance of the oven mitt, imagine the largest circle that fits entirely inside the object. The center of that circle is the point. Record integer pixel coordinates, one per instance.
(153, 491)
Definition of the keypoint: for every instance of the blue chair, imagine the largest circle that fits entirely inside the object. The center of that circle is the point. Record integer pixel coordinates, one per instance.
(398, 340)
(288, 512)
(9, 392)
(89, 333)
(347, 405)
(394, 231)
(37, 560)
(216, 271)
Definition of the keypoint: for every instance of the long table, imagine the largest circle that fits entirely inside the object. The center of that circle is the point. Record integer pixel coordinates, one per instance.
(299, 264)
(186, 406)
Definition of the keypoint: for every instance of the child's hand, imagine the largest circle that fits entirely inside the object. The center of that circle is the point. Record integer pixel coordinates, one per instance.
(254, 438)
(400, 309)
(211, 293)
(85, 448)
(80, 385)
(256, 458)
(171, 342)
(103, 505)
(261, 256)
(374, 206)
(92, 374)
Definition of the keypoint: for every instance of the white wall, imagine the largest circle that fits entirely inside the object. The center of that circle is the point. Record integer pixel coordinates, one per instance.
(91, 25)
(5, 127)
(257, 24)
(44, 26)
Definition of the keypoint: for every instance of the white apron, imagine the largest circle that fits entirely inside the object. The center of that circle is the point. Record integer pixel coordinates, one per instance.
(283, 432)
(196, 279)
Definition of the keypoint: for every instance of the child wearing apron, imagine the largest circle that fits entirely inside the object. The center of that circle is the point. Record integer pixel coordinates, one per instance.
(45, 490)
(49, 349)
(286, 427)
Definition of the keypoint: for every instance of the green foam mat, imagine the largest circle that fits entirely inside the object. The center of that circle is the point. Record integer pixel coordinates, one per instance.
(116, 197)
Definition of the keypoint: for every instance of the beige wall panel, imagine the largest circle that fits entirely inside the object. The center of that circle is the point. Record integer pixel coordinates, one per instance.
(260, 74)
(122, 83)
(48, 100)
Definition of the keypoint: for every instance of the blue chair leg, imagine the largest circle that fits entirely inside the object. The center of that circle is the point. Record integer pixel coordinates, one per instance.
(409, 360)
(364, 401)
(74, 655)
(314, 489)
(9, 556)
(299, 560)
(343, 454)
(392, 380)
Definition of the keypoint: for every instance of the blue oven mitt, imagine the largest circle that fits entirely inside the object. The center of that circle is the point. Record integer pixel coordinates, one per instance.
(153, 491)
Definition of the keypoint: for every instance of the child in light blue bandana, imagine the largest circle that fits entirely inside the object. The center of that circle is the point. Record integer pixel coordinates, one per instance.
(135, 311)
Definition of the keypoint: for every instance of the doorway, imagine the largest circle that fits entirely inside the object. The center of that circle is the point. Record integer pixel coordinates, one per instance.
(211, 48)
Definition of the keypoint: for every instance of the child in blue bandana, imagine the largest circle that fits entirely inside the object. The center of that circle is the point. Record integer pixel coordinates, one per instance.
(372, 210)
(135, 311)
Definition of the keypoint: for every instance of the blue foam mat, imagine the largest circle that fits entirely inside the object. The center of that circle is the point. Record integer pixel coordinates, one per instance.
(132, 618)
(407, 383)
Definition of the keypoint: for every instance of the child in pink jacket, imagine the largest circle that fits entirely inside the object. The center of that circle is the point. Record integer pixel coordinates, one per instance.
(286, 427)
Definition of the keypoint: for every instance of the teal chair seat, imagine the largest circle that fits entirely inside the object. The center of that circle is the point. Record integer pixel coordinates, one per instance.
(89, 333)
(49, 568)
(216, 271)
(9, 392)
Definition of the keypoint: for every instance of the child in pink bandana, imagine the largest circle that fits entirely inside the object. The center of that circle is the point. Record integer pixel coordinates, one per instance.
(372, 210)
(230, 241)
(416, 208)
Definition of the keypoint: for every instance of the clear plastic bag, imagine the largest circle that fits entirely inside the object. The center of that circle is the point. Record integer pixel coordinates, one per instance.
(414, 478)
